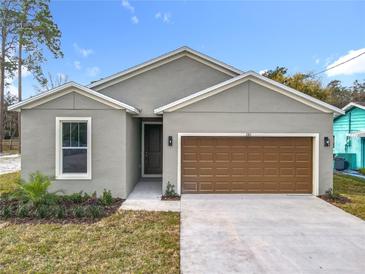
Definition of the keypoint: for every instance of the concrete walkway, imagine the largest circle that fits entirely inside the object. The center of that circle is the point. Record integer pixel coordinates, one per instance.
(146, 195)
(269, 234)
(9, 163)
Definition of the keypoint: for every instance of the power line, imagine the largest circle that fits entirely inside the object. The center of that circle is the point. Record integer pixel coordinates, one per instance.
(344, 62)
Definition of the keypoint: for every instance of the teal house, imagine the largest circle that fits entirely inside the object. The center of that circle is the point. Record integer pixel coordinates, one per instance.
(349, 135)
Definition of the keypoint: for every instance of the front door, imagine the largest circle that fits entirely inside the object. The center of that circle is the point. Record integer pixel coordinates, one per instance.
(152, 149)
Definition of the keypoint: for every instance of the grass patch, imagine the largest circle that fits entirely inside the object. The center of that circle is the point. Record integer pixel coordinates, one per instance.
(8, 182)
(127, 241)
(354, 189)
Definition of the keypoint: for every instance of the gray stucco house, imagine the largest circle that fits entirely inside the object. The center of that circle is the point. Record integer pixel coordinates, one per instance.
(184, 117)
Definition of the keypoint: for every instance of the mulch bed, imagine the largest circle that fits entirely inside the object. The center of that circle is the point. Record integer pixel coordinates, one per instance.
(69, 218)
(170, 198)
(339, 199)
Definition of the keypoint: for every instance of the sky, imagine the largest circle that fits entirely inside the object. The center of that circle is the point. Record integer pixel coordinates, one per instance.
(100, 38)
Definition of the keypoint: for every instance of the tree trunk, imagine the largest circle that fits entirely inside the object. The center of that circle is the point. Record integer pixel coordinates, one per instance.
(20, 61)
(2, 86)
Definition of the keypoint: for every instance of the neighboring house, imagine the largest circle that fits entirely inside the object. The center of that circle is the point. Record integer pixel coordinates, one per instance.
(200, 124)
(349, 135)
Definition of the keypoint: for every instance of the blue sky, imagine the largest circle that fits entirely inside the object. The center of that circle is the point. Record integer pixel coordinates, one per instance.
(103, 37)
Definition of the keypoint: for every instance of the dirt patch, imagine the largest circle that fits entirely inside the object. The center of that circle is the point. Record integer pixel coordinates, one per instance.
(337, 199)
(170, 198)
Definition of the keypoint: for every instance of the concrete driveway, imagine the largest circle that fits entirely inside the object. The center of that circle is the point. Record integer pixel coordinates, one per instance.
(269, 234)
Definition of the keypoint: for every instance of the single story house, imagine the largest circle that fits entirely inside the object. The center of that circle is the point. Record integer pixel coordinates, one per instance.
(186, 118)
(349, 134)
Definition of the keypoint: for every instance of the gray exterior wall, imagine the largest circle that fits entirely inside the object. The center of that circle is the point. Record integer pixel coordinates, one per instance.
(248, 108)
(165, 84)
(133, 152)
(108, 143)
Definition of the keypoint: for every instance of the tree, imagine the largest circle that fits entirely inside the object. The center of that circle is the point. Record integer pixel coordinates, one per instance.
(339, 96)
(304, 82)
(53, 82)
(8, 37)
(36, 29)
(10, 117)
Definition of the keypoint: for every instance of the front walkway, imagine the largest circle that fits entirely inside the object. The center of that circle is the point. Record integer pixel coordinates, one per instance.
(9, 163)
(269, 234)
(146, 195)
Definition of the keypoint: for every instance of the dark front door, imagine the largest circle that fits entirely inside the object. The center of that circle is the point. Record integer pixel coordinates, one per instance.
(152, 149)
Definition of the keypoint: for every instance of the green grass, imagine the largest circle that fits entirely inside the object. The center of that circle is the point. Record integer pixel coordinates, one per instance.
(8, 182)
(128, 241)
(353, 188)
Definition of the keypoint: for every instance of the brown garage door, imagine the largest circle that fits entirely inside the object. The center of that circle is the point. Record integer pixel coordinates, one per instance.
(246, 165)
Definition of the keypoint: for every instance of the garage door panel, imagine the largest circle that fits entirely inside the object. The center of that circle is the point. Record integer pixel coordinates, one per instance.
(246, 165)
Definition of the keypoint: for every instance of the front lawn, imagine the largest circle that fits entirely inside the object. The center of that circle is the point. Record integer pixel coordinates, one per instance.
(127, 241)
(354, 189)
(8, 182)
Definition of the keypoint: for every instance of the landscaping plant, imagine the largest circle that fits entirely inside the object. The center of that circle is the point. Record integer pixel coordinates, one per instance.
(31, 199)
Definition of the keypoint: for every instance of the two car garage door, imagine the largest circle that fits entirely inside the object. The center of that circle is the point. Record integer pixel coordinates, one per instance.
(246, 164)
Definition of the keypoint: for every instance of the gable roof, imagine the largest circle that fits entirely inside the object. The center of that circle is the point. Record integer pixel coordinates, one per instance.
(253, 76)
(354, 104)
(351, 105)
(68, 88)
(163, 59)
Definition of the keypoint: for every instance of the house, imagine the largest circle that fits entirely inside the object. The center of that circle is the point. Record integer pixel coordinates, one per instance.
(184, 118)
(349, 134)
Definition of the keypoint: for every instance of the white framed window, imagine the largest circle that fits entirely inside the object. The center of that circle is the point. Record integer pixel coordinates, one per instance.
(73, 148)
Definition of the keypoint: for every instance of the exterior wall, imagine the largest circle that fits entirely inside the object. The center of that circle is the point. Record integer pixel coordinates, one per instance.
(133, 152)
(224, 115)
(352, 121)
(165, 84)
(108, 153)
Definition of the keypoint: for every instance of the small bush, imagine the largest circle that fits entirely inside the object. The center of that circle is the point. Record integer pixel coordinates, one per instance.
(95, 211)
(6, 212)
(36, 190)
(22, 211)
(76, 198)
(170, 190)
(60, 212)
(106, 197)
(79, 212)
(42, 211)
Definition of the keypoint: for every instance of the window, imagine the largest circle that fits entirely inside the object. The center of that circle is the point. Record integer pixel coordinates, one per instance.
(73, 151)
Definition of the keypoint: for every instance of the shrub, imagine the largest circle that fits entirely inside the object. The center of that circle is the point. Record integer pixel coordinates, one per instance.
(79, 211)
(6, 212)
(95, 211)
(170, 190)
(22, 211)
(362, 171)
(76, 197)
(60, 212)
(42, 211)
(36, 190)
(106, 197)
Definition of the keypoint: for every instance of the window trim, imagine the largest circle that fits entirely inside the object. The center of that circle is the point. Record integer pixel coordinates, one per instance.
(72, 176)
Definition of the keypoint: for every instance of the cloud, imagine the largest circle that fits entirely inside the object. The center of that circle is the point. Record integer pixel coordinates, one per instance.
(263, 71)
(317, 61)
(127, 5)
(352, 67)
(164, 16)
(77, 65)
(135, 19)
(83, 51)
(92, 71)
